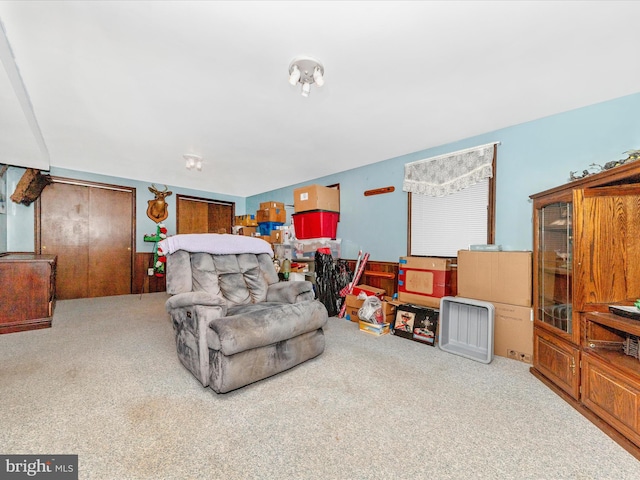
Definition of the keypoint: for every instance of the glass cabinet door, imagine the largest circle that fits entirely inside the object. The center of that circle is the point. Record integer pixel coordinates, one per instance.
(554, 275)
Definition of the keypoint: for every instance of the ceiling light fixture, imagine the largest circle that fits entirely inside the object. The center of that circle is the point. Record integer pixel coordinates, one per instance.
(306, 70)
(192, 161)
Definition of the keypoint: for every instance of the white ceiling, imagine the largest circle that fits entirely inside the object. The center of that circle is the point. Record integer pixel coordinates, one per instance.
(125, 88)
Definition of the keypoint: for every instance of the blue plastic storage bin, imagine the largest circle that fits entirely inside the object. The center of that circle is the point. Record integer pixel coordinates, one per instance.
(264, 228)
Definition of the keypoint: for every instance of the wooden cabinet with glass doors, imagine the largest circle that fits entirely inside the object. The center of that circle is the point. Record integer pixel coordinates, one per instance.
(587, 258)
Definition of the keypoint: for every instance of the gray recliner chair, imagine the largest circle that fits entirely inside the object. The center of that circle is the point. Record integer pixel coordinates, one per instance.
(235, 323)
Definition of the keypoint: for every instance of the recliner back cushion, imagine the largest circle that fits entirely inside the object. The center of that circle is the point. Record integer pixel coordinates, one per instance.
(240, 279)
(204, 274)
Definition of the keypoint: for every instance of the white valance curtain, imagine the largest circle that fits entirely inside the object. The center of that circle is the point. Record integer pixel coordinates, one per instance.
(449, 173)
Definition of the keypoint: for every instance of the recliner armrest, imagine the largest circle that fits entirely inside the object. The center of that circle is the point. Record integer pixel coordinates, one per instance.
(290, 292)
(190, 299)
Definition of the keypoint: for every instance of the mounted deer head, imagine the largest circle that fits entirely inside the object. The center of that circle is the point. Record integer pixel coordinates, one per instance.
(157, 209)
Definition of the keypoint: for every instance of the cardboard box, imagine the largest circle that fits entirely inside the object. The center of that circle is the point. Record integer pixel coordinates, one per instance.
(275, 236)
(417, 323)
(246, 220)
(513, 332)
(503, 277)
(316, 197)
(267, 205)
(424, 280)
(353, 304)
(278, 215)
(247, 231)
(377, 329)
(368, 290)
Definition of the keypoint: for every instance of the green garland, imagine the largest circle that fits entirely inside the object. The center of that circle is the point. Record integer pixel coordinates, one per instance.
(159, 258)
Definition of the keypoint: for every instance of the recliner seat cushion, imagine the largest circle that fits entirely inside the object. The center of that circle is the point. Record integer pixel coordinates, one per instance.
(235, 371)
(264, 324)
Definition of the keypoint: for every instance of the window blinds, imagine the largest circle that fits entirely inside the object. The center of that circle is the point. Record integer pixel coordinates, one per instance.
(449, 201)
(440, 226)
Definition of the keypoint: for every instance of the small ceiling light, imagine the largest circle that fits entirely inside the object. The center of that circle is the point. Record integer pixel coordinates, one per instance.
(317, 77)
(306, 70)
(192, 161)
(294, 76)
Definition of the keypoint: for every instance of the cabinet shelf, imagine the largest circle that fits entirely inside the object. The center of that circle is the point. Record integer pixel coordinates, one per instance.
(622, 324)
(557, 228)
(617, 359)
(563, 271)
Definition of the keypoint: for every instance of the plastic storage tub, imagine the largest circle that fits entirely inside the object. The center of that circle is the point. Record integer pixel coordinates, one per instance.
(316, 224)
(265, 228)
(466, 328)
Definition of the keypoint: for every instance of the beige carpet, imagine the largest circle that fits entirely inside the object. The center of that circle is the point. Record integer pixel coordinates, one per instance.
(105, 383)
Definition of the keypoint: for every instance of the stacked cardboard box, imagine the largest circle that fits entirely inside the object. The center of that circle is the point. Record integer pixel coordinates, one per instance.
(505, 280)
(271, 212)
(317, 212)
(247, 231)
(246, 220)
(270, 217)
(354, 303)
(316, 197)
(424, 280)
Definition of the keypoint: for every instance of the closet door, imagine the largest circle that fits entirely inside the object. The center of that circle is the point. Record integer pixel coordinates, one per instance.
(90, 228)
(201, 215)
(110, 242)
(193, 216)
(64, 231)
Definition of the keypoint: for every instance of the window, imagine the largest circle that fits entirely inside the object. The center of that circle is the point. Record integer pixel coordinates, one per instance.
(451, 201)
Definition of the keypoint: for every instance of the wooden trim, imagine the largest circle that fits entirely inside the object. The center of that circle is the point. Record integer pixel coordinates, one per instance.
(379, 191)
(627, 173)
(387, 275)
(86, 183)
(379, 274)
(408, 222)
(612, 190)
(143, 283)
(491, 214)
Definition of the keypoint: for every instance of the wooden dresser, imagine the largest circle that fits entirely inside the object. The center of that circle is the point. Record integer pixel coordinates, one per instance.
(27, 291)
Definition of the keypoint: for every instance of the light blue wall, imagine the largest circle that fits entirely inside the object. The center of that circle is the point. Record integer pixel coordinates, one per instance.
(20, 219)
(532, 157)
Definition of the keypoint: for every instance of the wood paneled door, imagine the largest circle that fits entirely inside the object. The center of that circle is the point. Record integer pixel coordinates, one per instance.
(202, 215)
(90, 227)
